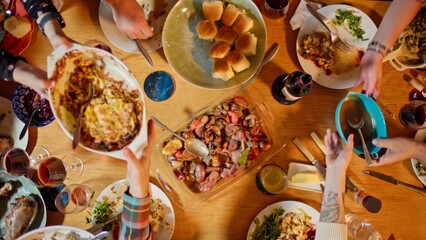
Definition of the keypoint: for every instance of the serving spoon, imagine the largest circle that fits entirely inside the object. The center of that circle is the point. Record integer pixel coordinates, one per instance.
(77, 132)
(356, 121)
(402, 50)
(36, 107)
(194, 145)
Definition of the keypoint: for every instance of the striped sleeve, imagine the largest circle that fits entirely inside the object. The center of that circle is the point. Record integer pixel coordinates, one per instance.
(135, 219)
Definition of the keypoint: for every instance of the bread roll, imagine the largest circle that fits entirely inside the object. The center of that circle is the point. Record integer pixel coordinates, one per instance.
(230, 14)
(206, 30)
(222, 69)
(247, 44)
(243, 24)
(212, 9)
(238, 61)
(226, 34)
(220, 50)
(18, 26)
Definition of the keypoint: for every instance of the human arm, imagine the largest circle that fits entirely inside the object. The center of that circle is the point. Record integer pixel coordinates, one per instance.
(397, 18)
(135, 220)
(399, 149)
(130, 18)
(44, 13)
(332, 216)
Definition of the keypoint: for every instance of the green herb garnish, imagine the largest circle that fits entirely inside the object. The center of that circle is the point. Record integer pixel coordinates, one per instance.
(102, 211)
(352, 21)
(244, 155)
(270, 227)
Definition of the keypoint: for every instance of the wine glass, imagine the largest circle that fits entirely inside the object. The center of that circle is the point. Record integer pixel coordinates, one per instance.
(73, 198)
(39, 153)
(15, 161)
(52, 171)
(101, 45)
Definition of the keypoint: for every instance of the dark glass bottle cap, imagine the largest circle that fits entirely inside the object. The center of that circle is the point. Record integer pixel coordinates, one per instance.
(159, 86)
(372, 204)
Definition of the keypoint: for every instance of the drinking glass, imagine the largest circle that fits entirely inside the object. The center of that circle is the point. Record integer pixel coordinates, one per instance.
(15, 161)
(52, 171)
(101, 45)
(413, 115)
(39, 153)
(271, 179)
(73, 198)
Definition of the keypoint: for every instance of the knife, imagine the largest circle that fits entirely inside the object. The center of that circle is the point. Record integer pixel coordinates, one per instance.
(144, 52)
(319, 143)
(99, 226)
(392, 180)
(309, 156)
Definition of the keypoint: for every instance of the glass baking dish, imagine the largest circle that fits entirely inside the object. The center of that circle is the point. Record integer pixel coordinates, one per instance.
(177, 190)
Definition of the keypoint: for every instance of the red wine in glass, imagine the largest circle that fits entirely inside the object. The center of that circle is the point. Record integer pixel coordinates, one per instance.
(413, 115)
(51, 172)
(15, 161)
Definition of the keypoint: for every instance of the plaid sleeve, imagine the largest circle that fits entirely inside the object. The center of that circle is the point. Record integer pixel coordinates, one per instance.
(135, 219)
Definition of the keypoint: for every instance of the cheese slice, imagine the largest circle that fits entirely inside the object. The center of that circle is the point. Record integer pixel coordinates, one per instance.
(306, 177)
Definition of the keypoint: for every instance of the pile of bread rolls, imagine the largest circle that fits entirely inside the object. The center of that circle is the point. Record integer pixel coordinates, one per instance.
(228, 27)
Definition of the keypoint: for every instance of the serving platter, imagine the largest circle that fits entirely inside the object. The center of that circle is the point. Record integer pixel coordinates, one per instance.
(420, 137)
(11, 125)
(114, 192)
(159, 10)
(58, 233)
(288, 206)
(116, 70)
(22, 186)
(188, 55)
(311, 25)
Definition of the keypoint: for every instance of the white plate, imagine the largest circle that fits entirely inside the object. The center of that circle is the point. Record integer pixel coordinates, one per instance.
(288, 206)
(58, 233)
(115, 69)
(116, 190)
(11, 125)
(121, 40)
(420, 137)
(295, 168)
(310, 25)
(22, 187)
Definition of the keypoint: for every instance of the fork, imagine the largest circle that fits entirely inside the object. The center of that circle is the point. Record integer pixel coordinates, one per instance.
(335, 40)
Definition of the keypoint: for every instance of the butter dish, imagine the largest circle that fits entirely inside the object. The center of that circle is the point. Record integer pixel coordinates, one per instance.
(295, 168)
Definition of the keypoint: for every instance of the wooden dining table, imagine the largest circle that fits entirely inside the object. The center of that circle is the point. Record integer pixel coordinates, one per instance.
(228, 214)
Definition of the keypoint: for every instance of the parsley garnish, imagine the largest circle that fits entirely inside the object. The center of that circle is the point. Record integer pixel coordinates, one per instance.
(352, 21)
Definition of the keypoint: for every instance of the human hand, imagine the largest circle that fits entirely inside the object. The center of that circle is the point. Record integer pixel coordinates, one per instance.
(337, 157)
(32, 77)
(138, 169)
(399, 149)
(370, 73)
(131, 20)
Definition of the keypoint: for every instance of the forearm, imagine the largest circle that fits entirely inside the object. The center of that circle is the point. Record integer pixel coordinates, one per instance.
(332, 206)
(135, 219)
(397, 18)
(9, 63)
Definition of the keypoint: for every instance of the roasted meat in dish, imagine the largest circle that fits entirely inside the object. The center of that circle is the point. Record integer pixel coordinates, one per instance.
(20, 216)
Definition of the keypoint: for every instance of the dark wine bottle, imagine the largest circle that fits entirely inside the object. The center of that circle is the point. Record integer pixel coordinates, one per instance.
(289, 88)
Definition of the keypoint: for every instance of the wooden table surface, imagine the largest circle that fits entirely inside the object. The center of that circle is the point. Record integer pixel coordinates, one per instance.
(229, 214)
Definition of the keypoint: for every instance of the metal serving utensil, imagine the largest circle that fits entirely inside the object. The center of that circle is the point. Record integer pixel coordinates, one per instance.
(143, 51)
(36, 107)
(77, 132)
(356, 121)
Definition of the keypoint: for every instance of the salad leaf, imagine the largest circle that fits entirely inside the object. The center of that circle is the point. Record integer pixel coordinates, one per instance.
(244, 155)
(352, 21)
(270, 227)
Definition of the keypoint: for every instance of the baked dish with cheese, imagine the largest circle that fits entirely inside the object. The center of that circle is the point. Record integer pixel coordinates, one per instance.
(113, 118)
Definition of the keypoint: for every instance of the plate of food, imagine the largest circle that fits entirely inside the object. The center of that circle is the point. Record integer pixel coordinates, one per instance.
(289, 219)
(328, 65)
(10, 127)
(25, 100)
(114, 117)
(214, 44)
(22, 208)
(156, 10)
(18, 29)
(110, 203)
(58, 233)
(419, 169)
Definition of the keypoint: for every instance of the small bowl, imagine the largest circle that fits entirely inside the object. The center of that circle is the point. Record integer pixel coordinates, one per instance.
(374, 127)
(22, 104)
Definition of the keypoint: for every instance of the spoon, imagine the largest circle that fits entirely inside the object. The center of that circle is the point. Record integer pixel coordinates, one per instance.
(356, 121)
(269, 55)
(402, 50)
(36, 107)
(77, 132)
(101, 235)
(194, 145)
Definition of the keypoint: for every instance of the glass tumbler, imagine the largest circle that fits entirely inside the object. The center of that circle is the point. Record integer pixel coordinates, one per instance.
(15, 161)
(73, 198)
(413, 115)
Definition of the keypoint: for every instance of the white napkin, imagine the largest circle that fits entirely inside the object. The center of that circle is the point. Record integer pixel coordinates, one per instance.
(302, 13)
